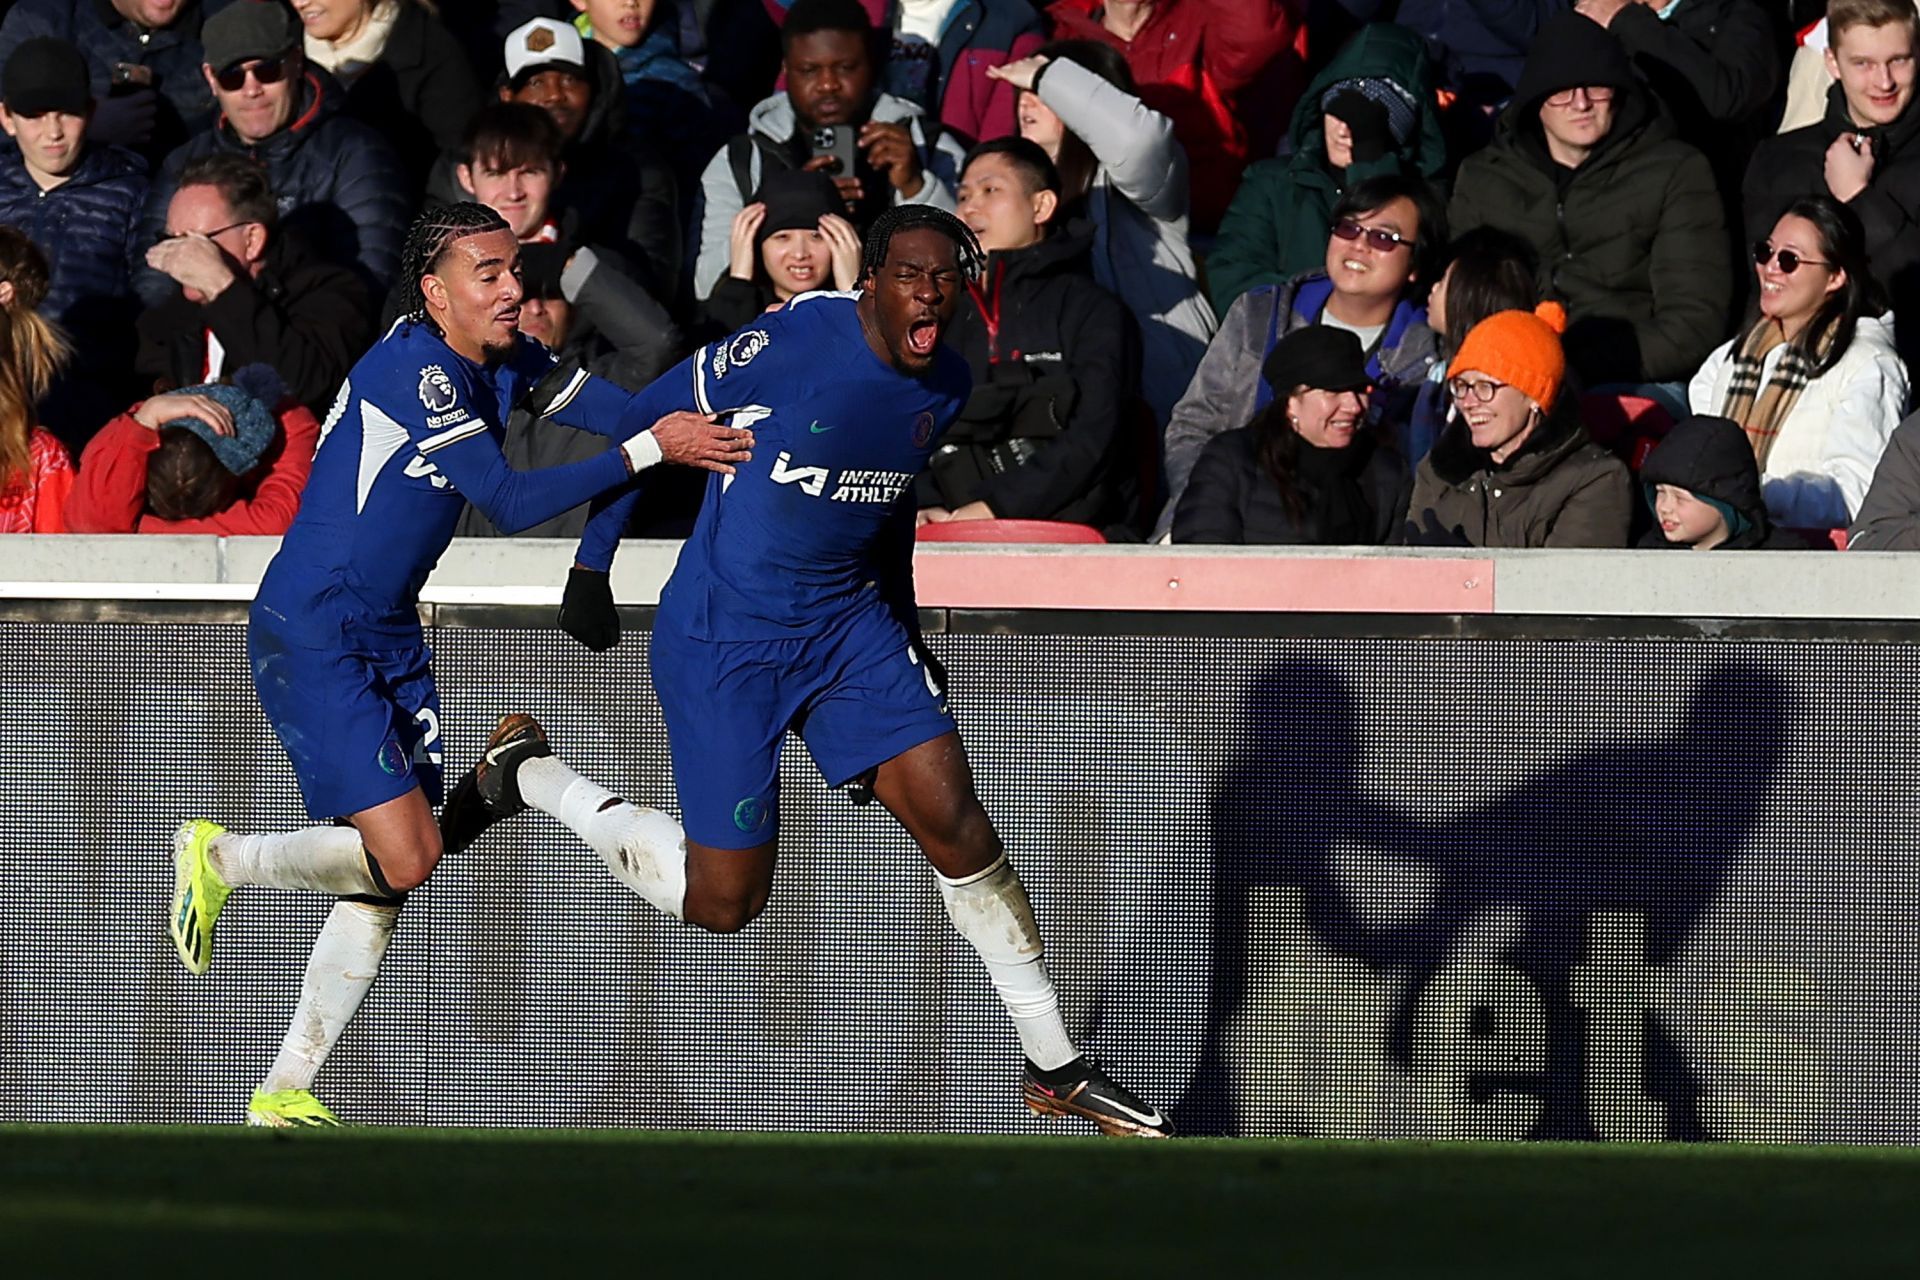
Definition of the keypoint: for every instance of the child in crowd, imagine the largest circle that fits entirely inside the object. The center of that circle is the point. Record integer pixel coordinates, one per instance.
(35, 473)
(1704, 487)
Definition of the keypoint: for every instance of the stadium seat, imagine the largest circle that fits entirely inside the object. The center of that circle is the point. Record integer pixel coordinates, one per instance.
(1009, 531)
(1822, 539)
(1628, 426)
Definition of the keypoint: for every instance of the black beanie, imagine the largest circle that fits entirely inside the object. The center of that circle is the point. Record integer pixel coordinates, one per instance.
(796, 201)
(1572, 51)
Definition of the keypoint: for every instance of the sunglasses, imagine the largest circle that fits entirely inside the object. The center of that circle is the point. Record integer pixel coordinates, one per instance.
(1594, 92)
(1787, 260)
(1380, 238)
(266, 71)
(1479, 392)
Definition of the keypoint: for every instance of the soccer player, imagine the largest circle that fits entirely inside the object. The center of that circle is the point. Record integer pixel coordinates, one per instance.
(334, 635)
(792, 607)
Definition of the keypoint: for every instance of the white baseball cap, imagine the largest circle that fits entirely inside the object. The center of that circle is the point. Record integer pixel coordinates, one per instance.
(543, 41)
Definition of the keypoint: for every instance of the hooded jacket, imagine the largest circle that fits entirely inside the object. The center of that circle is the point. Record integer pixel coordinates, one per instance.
(1822, 460)
(1277, 225)
(1193, 60)
(1560, 490)
(1711, 458)
(1889, 518)
(1227, 388)
(336, 182)
(1232, 501)
(88, 227)
(1482, 44)
(1633, 242)
(1037, 325)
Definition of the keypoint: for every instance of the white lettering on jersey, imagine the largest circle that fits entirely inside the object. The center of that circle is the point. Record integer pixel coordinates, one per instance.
(420, 469)
(812, 480)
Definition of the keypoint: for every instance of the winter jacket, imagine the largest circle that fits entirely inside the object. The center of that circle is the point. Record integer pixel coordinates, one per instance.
(1794, 165)
(1822, 461)
(1056, 368)
(665, 102)
(181, 103)
(733, 304)
(1192, 61)
(303, 316)
(1277, 225)
(1349, 497)
(88, 227)
(1715, 64)
(111, 493)
(1481, 44)
(419, 94)
(1889, 518)
(1634, 241)
(35, 503)
(335, 180)
(1560, 490)
(618, 333)
(1139, 209)
(771, 138)
(1228, 388)
(1712, 458)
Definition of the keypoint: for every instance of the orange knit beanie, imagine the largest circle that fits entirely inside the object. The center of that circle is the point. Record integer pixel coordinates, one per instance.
(1521, 349)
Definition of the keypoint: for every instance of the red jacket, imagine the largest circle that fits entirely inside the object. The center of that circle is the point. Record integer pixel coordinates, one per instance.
(110, 494)
(1194, 60)
(33, 502)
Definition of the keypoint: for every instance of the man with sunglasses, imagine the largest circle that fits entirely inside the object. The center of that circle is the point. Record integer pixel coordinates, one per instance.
(1627, 222)
(335, 180)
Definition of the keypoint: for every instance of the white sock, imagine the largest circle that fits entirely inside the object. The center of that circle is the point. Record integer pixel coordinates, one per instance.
(319, 859)
(644, 848)
(991, 911)
(345, 961)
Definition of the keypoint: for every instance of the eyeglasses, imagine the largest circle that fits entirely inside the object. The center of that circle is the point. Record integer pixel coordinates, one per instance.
(266, 71)
(1379, 237)
(1789, 261)
(1594, 92)
(217, 231)
(1479, 392)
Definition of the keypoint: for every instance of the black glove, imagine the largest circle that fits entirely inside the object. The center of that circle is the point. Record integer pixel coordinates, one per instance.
(540, 268)
(1431, 533)
(124, 119)
(934, 667)
(587, 612)
(1366, 120)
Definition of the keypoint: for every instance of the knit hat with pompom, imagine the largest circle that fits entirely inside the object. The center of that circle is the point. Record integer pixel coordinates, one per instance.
(1521, 349)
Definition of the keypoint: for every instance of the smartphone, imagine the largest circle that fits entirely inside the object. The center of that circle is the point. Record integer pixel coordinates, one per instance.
(132, 73)
(835, 140)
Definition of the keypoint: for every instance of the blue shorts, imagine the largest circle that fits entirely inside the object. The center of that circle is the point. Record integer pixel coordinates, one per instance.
(857, 696)
(360, 726)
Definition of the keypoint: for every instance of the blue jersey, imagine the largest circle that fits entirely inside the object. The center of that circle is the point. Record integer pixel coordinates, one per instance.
(414, 435)
(824, 510)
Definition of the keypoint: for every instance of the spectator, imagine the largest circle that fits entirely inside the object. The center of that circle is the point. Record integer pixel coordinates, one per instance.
(35, 473)
(1370, 112)
(1625, 217)
(336, 180)
(80, 205)
(1816, 381)
(206, 459)
(1121, 167)
(1308, 470)
(1386, 236)
(1482, 47)
(143, 63)
(789, 241)
(830, 87)
(244, 291)
(1864, 153)
(665, 99)
(1889, 517)
(1515, 467)
(403, 72)
(1489, 271)
(1054, 359)
(1704, 488)
(1193, 61)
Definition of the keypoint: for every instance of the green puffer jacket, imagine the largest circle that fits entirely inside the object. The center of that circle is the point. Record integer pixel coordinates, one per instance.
(1276, 227)
(1633, 242)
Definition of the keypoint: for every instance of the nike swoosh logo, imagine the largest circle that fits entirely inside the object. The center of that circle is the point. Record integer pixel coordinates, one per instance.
(817, 429)
(1150, 1118)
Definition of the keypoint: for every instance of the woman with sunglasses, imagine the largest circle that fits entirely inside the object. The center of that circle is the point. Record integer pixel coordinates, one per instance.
(1815, 378)
(1308, 470)
(1514, 466)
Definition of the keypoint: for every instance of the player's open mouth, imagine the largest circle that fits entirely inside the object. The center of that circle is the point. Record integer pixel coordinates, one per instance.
(923, 336)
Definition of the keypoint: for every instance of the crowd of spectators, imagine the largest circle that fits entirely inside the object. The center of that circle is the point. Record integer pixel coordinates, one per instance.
(1589, 273)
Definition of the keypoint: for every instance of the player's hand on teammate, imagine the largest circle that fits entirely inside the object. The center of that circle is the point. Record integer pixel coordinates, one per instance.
(160, 410)
(695, 440)
(890, 150)
(843, 244)
(587, 611)
(742, 254)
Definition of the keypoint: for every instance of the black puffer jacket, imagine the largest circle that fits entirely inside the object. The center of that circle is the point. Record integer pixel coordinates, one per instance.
(419, 94)
(336, 181)
(1348, 497)
(1055, 363)
(1712, 458)
(87, 226)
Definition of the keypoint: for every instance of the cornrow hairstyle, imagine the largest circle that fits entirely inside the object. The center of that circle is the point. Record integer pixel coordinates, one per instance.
(915, 217)
(427, 241)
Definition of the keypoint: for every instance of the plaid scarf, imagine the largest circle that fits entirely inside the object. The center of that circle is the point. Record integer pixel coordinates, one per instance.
(1762, 409)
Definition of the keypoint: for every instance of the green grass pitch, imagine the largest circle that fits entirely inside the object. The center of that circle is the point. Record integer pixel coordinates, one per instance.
(200, 1201)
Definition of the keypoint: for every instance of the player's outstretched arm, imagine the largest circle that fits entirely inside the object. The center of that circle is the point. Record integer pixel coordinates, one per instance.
(516, 500)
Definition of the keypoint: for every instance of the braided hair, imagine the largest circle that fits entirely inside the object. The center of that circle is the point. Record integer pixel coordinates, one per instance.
(914, 217)
(428, 240)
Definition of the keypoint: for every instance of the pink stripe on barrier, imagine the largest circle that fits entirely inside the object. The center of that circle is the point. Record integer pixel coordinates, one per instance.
(951, 578)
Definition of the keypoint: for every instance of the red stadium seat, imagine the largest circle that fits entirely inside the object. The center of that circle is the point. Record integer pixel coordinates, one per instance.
(1008, 531)
(1628, 426)
(1822, 539)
